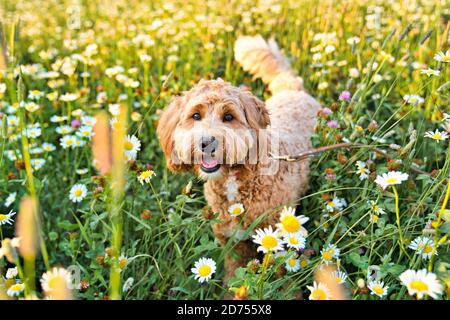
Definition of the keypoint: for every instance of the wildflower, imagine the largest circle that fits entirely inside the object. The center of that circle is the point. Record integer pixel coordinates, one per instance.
(376, 211)
(68, 97)
(145, 176)
(268, 240)
(413, 99)
(6, 218)
(33, 132)
(236, 209)
(345, 96)
(391, 178)
(68, 141)
(132, 146)
(377, 288)
(431, 72)
(421, 283)
(304, 262)
(30, 106)
(10, 199)
(437, 135)
(353, 40)
(37, 163)
(290, 223)
(123, 262)
(77, 193)
(329, 252)
(442, 57)
(48, 147)
(64, 129)
(203, 269)
(319, 291)
(362, 170)
(82, 171)
(340, 276)
(85, 132)
(15, 290)
(55, 279)
(423, 246)
(11, 273)
(35, 94)
(57, 119)
(336, 204)
(292, 264)
(295, 241)
(88, 121)
(353, 73)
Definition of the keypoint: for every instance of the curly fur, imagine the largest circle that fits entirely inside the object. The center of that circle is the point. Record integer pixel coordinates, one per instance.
(289, 115)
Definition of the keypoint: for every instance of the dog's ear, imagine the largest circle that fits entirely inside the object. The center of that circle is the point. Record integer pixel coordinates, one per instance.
(255, 110)
(165, 130)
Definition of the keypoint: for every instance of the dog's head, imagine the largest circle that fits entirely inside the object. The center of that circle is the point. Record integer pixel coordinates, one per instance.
(211, 128)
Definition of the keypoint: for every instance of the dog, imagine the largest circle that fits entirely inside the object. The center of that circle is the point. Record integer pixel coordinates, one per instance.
(226, 135)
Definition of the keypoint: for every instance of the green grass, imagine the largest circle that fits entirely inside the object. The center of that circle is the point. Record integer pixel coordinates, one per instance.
(197, 42)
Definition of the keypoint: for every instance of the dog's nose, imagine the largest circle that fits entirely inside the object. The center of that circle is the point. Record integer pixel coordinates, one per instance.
(208, 144)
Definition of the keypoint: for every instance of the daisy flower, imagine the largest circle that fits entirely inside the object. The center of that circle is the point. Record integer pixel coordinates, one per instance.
(423, 246)
(82, 171)
(391, 178)
(132, 146)
(10, 199)
(336, 204)
(290, 223)
(203, 269)
(376, 211)
(48, 147)
(68, 141)
(37, 163)
(85, 132)
(292, 264)
(430, 72)
(15, 290)
(377, 288)
(319, 291)
(421, 283)
(11, 273)
(64, 129)
(57, 119)
(340, 276)
(442, 57)
(437, 135)
(295, 241)
(54, 278)
(77, 193)
(145, 176)
(236, 209)
(268, 240)
(362, 170)
(88, 121)
(329, 252)
(6, 218)
(123, 262)
(413, 99)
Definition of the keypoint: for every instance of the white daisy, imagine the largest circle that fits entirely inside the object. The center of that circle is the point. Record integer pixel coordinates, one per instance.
(11, 273)
(295, 240)
(292, 263)
(442, 57)
(10, 199)
(203, 269)
(132, 146)
(431, 72)
(290, 223)
(64, 129)
(48, 147)
(329, 252)
(377, 288)
(57, 119)
(319, 291)
(68, 141)
(336, 204)
(236, 209)
(145, 176)
(376, 211)
(15, 290)
(340, 276)
(85, 132)
(77, 193)
(268, 240)
(362, 170)
(88, 121)
(391, 178)
(437, 135)
(54, 278)
(423, 246)
(37, 163)
(82, 171)
(421, 283)
(413, 99)
(6, 218)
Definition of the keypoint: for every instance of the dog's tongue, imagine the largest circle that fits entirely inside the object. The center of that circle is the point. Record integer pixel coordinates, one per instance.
(209, 163)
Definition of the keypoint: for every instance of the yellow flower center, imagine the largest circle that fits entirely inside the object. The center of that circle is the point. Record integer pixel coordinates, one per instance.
(204, 270)
(391, 180)
(419, 285)
(446, 58)
(123, 263)
(331, 204)
(292, 262)
(77, 193)
(3, 217)
(293, 240)
(436, 136)
(318, 294)
(56, 282)
(375, 218)
(16, 287)
(128, 145)
(327, 255)
(290, 224)
(303, 263)
(269, 242)
(378, 290)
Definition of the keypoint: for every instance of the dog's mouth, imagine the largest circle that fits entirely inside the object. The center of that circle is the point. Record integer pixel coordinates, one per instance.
(209, 165)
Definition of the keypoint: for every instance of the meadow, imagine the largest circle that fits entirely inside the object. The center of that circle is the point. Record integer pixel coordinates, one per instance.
(127, 228)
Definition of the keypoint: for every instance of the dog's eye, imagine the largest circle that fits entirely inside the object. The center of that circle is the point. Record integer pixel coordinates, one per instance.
(228, 117)
(196, 116)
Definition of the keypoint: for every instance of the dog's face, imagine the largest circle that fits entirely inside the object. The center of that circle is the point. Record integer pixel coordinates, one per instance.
(211, 128)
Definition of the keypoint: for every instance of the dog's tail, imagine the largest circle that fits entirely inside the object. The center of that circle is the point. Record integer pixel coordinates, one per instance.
(264, 60)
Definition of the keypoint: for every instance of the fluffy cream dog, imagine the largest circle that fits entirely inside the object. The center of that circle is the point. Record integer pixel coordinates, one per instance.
(225, 134)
